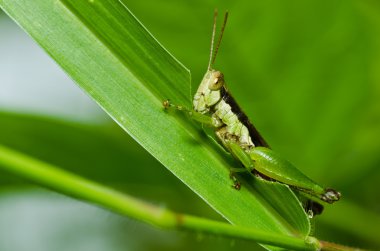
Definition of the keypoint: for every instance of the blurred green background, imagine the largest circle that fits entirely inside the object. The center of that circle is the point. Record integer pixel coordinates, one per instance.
(306, 72)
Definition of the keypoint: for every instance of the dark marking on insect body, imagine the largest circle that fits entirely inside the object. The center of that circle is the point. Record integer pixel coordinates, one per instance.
(256, 138)
(313, 206)
(262, 176)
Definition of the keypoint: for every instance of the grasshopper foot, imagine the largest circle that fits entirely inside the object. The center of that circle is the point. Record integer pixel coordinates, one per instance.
(236, 184)
(166, 104)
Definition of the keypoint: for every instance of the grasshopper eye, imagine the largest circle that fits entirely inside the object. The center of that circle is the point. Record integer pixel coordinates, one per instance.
(217, 81)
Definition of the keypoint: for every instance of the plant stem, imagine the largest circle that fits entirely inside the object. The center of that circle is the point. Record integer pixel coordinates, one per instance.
(67, 183)
(329, 246)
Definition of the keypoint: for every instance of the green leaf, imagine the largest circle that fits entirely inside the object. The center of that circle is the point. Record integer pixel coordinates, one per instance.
(112, 57)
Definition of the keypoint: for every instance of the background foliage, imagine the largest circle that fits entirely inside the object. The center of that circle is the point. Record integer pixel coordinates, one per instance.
(307, 75)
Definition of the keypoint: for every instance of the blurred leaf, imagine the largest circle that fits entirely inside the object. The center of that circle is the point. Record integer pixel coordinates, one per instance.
(113, 58)
(354, 220)
(101, 152)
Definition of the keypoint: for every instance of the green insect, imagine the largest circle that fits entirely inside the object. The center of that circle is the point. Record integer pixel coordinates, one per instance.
(215, 107)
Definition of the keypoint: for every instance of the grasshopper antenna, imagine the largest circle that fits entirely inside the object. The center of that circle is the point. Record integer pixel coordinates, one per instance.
(212, 39)
(212, 52)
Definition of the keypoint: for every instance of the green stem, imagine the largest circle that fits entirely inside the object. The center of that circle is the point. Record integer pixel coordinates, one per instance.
(329, 246)
(219, 228)
(71, 184)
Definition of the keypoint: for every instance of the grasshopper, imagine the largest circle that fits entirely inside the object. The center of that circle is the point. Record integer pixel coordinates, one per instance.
(214, 106)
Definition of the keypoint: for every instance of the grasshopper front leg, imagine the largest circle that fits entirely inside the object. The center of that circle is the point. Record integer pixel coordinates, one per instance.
(210, 121)
(204, 119)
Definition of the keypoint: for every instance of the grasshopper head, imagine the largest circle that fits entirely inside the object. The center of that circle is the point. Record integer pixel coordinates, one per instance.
(208, 93)
(216, 81)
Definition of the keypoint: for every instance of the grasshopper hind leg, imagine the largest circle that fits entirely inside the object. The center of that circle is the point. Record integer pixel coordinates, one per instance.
(328, 195)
